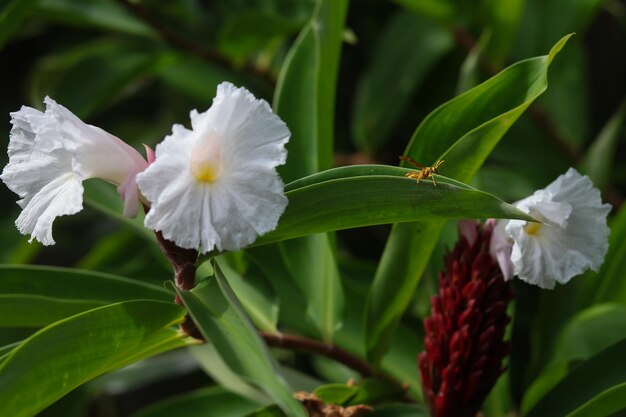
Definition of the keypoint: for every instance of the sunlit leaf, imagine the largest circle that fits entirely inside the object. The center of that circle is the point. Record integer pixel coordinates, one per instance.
(362, 197)
(70, 352)
(221, 321)
(462, 132)
(34, 296)
(595, 387)
(305, 100)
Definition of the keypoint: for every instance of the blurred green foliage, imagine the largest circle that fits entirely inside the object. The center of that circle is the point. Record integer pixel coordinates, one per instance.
(135, 68)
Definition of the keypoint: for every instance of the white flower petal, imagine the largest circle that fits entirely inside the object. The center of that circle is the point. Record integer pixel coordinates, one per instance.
(573, 238)
(50, 154)
(216, 186)
(61, 196)
(500, 248)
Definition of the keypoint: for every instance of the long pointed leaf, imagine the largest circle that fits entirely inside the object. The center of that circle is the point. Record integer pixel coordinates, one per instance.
(305, 100)
(66, 354)
(366, 200)
(463, 132)
(214, 308)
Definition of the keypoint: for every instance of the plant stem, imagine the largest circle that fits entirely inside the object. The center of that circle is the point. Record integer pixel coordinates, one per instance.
(295, 342)
(184, 263)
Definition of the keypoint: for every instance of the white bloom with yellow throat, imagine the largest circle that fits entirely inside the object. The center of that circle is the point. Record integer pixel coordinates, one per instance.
(572, 235)
(50, 154)
(216, 186)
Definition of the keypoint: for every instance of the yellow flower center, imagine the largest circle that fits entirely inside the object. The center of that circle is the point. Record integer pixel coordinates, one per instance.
(206, 158)
(532, 228)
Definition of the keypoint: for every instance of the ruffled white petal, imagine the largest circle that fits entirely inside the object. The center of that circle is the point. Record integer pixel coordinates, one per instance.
(572, 238)
(50, 154)
(240, 197)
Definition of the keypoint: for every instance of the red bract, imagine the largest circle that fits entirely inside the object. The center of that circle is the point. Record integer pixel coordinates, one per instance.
(464, 345)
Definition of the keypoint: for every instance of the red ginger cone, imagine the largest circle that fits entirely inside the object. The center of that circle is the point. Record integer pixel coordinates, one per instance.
(463, 343)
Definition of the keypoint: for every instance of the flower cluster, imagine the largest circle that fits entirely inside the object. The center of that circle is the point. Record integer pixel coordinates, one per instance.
(212, 187)
(464, 345)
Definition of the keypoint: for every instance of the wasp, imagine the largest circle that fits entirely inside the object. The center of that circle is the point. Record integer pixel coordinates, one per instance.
(424, 172)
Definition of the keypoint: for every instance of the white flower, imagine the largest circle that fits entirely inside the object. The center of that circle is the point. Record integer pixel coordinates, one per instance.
(571, 238)
(50, 154)
(216, 186)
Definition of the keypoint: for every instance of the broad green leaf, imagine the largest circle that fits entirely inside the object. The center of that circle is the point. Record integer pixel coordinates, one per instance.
(6, 349)
(211, 362)
(305, 100)
(596, 384)
(101, 14)
(12, 15)
(462, 132)
(34, 296)
(598, 160)
(206, 402)
(365, 200)
(221, 321)
(312, 266)
(255, 294)
(68, 353)
(305, 93)
(407, 50)
(608, 402)
(585, 335)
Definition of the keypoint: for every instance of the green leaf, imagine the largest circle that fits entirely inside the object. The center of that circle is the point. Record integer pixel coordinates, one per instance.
(598, 160)
(305, 100)
(34, 296)
(462, 132)
(586, 334)
(256, 296)
(221, 321)
(13, 15)
(5, 350)
(365, 200)
(68, 353)
(407, 50)
(336, 393)
(604, 404)
(597, 384)
(206, 402)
